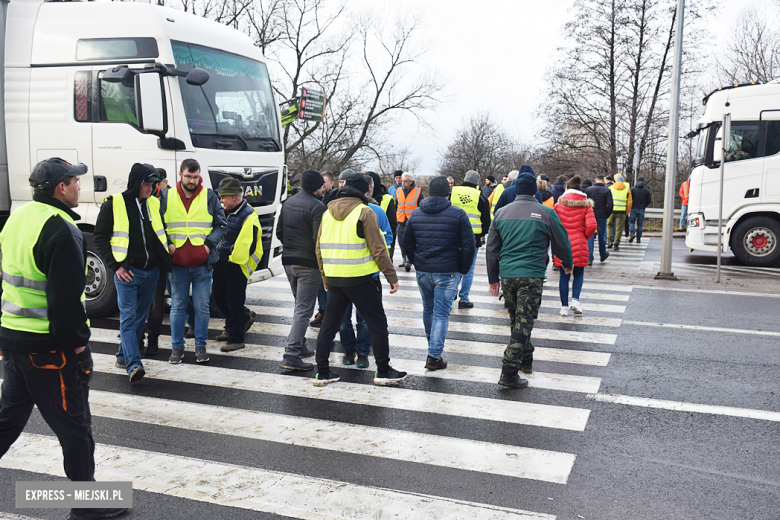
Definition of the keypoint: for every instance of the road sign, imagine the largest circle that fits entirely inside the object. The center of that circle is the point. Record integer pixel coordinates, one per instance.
(312, 105)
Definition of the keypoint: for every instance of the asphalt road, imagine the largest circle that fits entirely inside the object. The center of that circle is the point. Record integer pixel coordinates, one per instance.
(658, 403)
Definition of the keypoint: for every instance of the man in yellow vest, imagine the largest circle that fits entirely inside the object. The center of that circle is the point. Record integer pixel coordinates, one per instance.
(130, 238)
(407, 198)
(350, 249)
(240, 250)
(44, 328)
(468, 198)
(621, 207)
(195, 223)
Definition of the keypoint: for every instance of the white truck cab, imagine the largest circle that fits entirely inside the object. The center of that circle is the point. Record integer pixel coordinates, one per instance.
(110, 84)
(751, 184)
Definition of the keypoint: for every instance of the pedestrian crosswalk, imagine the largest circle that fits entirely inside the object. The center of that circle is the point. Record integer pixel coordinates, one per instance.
(450, 425)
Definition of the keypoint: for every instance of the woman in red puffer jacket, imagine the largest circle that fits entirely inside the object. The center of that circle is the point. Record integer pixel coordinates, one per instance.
(575, 210)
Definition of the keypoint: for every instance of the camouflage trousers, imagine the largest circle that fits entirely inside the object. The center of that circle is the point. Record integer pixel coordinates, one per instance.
(522, 298)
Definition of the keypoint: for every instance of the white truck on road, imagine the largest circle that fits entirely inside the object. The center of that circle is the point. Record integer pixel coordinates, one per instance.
(110, 84)
(751, 184)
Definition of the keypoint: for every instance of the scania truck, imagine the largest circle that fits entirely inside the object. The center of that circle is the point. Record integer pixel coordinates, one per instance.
(109, 84)
(751, 176)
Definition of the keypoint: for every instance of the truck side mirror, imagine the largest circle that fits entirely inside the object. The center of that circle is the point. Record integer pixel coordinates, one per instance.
(197, 77)
(149, 101)
(717, 152)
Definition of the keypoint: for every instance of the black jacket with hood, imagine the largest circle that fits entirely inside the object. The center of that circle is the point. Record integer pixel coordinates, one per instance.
(379, 191)
(640, 196)
(145, 250)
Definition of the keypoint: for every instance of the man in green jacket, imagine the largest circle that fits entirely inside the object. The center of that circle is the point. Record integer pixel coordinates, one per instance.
(517, 254)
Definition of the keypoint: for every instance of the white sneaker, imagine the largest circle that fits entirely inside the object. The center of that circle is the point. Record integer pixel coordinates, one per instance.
(575, 306)
(564, 311)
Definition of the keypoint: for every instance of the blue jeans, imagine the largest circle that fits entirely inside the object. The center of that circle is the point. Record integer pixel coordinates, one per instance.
(190, 309)
(200, 279)
(468, 278)
(322, 298)
(135, 300)
(347, 333)
(601, 231)
(683, 215)
(637, 215)
(438, 290)
(563, 285)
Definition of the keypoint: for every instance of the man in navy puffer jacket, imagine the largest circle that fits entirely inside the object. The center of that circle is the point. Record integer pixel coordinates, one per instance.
(439, 241)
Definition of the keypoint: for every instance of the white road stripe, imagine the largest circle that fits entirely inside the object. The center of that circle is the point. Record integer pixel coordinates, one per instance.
(274, 492)
(500, 459)
(549, 334)
(553, 280)
(703, 328)
(416, 307)
(472, 374)
(678, 406)
(416, 310)
(386, 397)
(708, 291)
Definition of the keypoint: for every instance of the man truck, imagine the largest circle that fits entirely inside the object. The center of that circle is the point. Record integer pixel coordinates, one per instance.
(109, 84)
(751, 175)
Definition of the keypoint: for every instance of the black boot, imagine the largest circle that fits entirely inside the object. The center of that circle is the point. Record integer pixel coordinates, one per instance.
(432, 363)
(526, 366)
(510, 378)
(152, 346)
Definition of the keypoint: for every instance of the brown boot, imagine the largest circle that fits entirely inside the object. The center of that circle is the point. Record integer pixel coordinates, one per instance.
(223, 336)
(317, 321)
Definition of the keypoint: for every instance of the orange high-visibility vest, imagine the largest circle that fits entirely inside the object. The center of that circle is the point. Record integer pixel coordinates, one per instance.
(406, 203)
(684, 189)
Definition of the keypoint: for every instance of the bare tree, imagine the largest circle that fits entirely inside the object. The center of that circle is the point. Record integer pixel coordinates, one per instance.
(753, 52)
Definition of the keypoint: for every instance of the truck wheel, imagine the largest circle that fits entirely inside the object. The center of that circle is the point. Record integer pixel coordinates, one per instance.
(755, 242)
(100, 289)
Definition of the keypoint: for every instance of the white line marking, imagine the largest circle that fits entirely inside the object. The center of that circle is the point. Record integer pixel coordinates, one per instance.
(386, 397)
(283, 494)
(473, 374)
(501, 459)
(677, 406)
(700, 327)
(707, 291)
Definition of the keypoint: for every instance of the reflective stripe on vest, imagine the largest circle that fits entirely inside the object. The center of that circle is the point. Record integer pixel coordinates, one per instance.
(385, 202)
(406, 203)
(467, 199)
(619, 197)
(194, 225)
(496, 195)
(240, 254)
(344, 253)
(120, 238)
(24, 303)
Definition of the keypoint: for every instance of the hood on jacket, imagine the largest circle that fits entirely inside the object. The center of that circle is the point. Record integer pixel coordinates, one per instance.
(347, 198)
(138, 173)
(526, 168)
(640, 183)
(379, 188)
(560, 186)
(619, 185)
(434, 205)
(575, 199)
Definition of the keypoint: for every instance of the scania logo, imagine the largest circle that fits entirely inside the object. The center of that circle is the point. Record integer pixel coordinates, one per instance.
(247, 173)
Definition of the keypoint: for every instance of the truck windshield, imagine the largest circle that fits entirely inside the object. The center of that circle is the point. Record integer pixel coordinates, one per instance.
(236, 102)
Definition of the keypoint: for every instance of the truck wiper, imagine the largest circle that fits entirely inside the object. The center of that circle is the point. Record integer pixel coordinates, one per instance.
(231, 136)
(277, 146)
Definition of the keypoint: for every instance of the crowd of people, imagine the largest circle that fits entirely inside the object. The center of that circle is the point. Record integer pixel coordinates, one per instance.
(338, 233)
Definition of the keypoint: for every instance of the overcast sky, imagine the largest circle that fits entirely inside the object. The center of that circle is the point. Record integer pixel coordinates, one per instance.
(495, 54)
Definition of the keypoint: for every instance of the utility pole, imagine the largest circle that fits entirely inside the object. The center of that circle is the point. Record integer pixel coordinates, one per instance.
(671, 155)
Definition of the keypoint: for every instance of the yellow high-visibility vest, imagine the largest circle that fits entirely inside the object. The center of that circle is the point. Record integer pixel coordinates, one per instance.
(344, 253)
(406, 203)
(120, 238)
(182, 225)
(240, 254)
(620, 197)
(385, 203)
(496, 195)
(467, 199)
(24, 302)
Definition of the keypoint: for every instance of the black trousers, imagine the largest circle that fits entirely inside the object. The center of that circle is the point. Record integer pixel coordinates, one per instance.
(400, 232)
(392, 245)
(228, 288)
(367, 299)
(156, 312)
(57, 382)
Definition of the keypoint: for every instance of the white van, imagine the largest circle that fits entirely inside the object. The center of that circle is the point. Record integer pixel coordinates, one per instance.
(110, 84)
(751, 184)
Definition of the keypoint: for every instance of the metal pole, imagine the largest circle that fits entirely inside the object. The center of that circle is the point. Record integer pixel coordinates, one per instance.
(671, 155)
(725, 145)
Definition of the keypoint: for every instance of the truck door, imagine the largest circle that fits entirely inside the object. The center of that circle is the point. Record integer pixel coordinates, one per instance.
(118, 142)
(771, 190)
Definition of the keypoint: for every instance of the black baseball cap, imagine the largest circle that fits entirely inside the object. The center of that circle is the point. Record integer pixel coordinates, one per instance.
(53, 171)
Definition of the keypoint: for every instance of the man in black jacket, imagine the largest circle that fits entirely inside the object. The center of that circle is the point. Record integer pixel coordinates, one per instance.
(602, 208)
(641, 198)
(299, 223)
(44, 260)
(471, 180)
(136, 261)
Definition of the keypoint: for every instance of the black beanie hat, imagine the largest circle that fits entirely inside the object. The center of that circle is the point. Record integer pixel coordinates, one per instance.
(439, 187)
(312, 180)
(491, 178)
(525, 184)
(357, 181)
